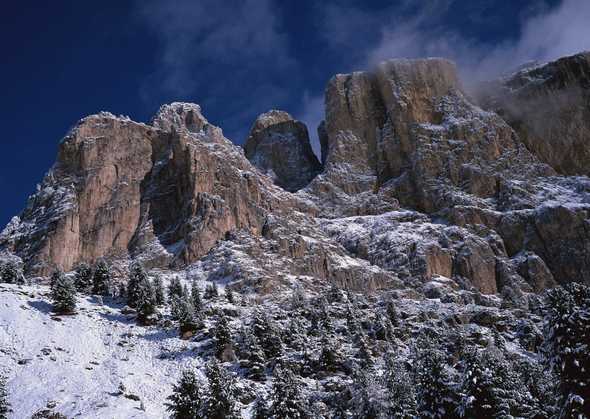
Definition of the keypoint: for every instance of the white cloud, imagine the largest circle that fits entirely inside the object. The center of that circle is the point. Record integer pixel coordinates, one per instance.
(231, 57)
(544, 36)
(312, 114)
(411, 31)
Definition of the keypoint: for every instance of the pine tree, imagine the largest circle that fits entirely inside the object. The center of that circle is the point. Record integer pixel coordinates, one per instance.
(367, 402)
(197, 300)
(4, 405)
(185, 315)
(221, 399)
(434, 394)
(256, 361)
(211, 291)
(187, 398)
(63, 293)
(400, 389)
(159, 290)
(260, 409)
(101, 280)
(145, 299)
(364, 352)
(268, 335)
(11, 274)
(83, 277)
(175, 289)
(567, 333)
(391, 313)
(287, 401)
(482, 388)
(223, 338)
(137, 275)
(352, 320)
(330, 356)
(229, 296)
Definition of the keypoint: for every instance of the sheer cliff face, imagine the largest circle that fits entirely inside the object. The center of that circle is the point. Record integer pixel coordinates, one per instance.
(416, 182)
(119, 186)
(548, 106)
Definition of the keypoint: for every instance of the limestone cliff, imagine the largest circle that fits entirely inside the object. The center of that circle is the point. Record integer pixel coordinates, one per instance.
(416, 182)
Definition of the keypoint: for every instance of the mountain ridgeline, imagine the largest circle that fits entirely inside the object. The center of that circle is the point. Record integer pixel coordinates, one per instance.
(417, 179)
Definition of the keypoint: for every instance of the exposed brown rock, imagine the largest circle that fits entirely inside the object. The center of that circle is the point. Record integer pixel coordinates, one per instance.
(279, 147)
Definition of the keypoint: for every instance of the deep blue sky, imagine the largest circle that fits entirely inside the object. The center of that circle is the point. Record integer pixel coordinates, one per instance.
(62, 60)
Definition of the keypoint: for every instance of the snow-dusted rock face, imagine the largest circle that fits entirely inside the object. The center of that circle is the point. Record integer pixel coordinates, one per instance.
(402, 139)
(279, 147)
(120, 187)
(548, 106)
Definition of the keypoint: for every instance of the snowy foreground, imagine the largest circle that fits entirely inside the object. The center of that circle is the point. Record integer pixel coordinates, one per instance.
(79, 364)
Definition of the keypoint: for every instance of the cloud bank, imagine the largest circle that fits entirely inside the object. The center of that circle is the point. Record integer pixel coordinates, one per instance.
(409, 31)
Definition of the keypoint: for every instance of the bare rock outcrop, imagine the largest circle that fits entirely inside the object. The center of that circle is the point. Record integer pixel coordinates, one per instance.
(549, 106)
(118, 187)
(279, 147)
(418, 186)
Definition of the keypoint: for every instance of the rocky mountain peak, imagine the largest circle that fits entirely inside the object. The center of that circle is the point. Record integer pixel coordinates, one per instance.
(418, 181)
(180, 116)
(278, 145)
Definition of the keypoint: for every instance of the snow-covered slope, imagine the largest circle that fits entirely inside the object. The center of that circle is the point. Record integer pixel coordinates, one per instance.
(80, 363)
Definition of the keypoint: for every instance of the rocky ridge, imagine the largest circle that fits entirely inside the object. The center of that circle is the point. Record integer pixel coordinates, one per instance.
(418, 182)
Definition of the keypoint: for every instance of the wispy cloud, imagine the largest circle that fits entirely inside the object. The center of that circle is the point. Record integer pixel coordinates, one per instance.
(228, 55)
(418, 29)
(544, 35)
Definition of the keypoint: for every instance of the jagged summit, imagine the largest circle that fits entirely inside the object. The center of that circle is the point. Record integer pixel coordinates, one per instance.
(401, 139)
(278, 145)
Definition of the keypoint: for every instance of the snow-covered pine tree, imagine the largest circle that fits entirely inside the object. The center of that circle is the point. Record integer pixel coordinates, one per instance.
(137, 275)
(187, 398)
(197, 299)
(83, 277)
(482, 390)
(260, 409)
(383, 329)
(256, 360)
(159, 290)
(287, 400)
(63, 293)
(352, 320)
(175, 289)
(567, 337)
(364, 352)
(183, 310)
(391, 313)
(250, 351)
(268, 335)
(221, 400)
(211, 291)
(367, 401)
(145, 299)
(229, 296)
(400, 389)
(223, 338)
(4, 405)
(434, 393)
(101, 279)
(54, 278)
(538, 401)
(295, 336)
(10, 273)
(330, 357)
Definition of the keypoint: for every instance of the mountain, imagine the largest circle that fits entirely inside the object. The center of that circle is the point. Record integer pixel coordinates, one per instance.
(461, 206)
